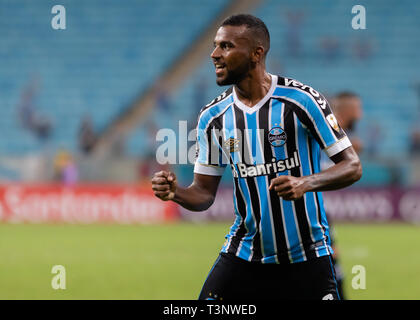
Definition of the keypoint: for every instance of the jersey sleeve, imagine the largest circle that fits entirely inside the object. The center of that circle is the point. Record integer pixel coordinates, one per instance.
(314, 111)
(210, 157)
(317, 115)
(326, 129)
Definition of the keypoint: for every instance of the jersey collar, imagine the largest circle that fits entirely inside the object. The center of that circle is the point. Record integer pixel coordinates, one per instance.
(260, 103)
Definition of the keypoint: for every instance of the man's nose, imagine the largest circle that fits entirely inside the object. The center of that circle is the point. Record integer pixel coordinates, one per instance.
(216, 53)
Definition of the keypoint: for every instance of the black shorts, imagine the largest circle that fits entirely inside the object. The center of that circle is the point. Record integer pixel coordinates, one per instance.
(233, 278)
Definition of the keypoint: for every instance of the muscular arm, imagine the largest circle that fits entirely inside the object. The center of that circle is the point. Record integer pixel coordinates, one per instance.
(346, 171)
(198, 196)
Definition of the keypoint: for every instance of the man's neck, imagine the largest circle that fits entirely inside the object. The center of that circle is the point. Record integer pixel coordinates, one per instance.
(253, 88)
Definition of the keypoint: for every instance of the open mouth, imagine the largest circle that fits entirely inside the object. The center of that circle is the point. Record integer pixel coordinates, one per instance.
(220, 68)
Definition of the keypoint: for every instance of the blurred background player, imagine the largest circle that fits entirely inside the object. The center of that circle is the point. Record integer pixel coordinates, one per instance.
(347, 107)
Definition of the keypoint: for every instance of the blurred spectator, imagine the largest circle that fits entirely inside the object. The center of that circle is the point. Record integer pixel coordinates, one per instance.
(65, 169)
(87, 136)
(374, 136)
(362, 48)
(415, 143)
(293, 32)
(330, 47)
(30, 118)
(162, 100)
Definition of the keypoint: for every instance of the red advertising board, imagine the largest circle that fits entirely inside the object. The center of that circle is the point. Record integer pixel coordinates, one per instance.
(88, 203)
(128, 204)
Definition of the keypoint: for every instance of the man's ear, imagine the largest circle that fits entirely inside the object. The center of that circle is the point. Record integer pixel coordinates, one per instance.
(258, 54)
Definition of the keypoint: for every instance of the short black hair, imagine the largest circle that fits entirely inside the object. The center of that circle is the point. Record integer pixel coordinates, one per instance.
(342, 95)
(346, 94)
(253, 23)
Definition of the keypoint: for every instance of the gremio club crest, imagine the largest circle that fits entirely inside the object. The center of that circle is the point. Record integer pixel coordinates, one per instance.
(277, 137)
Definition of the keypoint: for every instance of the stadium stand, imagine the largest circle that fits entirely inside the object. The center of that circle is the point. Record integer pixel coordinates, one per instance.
(108, 54)
(111, 52)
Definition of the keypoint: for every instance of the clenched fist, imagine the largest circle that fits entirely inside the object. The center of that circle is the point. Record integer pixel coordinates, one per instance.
(164, 185)
(288, 187)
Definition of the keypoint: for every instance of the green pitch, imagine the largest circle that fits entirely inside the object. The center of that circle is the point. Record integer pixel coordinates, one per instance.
(172, 261)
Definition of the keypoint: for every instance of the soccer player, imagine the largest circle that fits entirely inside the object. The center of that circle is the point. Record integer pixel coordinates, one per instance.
(347, 107)
(270, 130)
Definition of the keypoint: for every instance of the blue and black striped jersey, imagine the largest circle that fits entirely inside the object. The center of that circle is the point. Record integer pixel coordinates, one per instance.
(281, 135)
